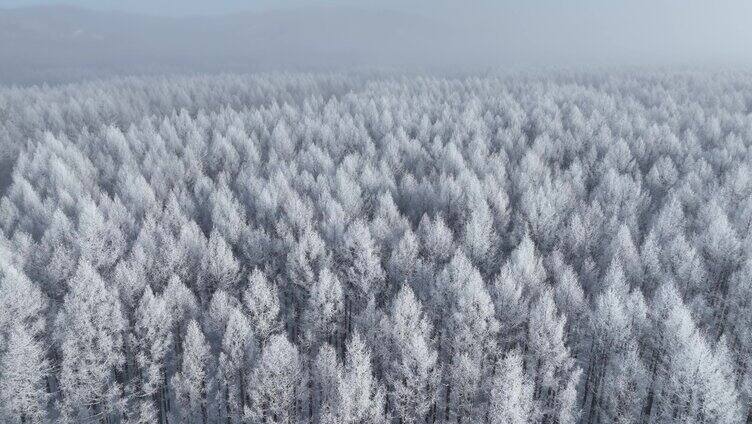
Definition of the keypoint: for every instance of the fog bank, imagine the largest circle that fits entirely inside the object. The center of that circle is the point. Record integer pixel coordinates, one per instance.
(50, 43)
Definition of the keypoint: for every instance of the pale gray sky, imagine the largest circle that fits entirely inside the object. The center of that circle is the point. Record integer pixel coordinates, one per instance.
(707, 29)
(340, 33)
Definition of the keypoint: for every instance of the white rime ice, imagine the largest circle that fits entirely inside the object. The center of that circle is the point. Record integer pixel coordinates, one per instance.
(376, 248)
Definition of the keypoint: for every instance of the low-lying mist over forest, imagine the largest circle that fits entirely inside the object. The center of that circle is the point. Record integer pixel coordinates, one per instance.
(53, 43)
(376, 212)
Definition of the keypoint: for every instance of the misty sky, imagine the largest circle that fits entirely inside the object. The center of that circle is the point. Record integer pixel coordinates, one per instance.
(472, 33)
(205, 7)
(708, 29)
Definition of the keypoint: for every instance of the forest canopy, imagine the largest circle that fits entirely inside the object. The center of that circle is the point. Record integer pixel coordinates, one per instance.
(353, 248)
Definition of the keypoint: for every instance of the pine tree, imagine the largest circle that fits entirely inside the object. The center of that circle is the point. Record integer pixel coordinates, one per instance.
(154, 252)
(739, 336)
(193, 383)
(359, 269)
(323, 315)
(551, 367)
(690, 382)
(262, 303)
(21, 301)
(525, 266)
(511, 304)
(227, 215)
(236, 354)
(23, 372)
(274, 387)
(511, 396)
(57, 256)
(468, 341)
(219, 268)
(151, 340)
(614, 392)
(464, 383)
(306, 258)
(90, 327)
(479, 238)
(623, 248)
(436, 239)
(100, 242)
(412, 369)
(182, 307)
(326, 397)
(401, 266)
(362, 395)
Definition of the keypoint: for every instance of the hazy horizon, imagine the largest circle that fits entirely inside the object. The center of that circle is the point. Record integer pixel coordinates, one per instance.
(43, 42)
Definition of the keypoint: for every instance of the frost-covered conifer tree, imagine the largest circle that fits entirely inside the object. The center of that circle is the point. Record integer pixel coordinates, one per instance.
(24, 369)
(193, 381)
(90, 329)
(274, 388)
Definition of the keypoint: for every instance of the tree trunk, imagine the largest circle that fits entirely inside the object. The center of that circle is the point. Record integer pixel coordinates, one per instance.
(649, 401)
(227, 404)
(446, 405)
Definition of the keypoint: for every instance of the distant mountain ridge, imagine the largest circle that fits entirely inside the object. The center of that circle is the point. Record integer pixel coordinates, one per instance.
(37, 42)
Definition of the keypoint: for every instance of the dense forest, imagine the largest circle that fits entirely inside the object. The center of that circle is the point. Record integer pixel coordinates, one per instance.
(341, 248)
